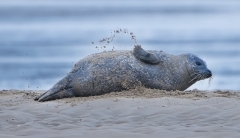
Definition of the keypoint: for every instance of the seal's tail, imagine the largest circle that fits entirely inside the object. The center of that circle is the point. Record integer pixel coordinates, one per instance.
(59, 90)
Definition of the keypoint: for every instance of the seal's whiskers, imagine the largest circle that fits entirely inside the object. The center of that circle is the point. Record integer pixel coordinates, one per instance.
(196, 77)
(194, 74)
(209, 81)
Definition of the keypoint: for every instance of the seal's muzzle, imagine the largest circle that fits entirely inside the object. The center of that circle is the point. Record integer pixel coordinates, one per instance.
(208, 74)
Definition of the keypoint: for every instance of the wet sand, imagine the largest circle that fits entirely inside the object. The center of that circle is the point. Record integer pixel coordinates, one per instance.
(134, 113)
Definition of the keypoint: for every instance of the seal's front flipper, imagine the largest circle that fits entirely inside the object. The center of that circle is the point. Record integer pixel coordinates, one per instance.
(143, 55)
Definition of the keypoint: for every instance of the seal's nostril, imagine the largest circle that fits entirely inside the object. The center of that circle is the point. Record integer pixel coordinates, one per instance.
(210, 73)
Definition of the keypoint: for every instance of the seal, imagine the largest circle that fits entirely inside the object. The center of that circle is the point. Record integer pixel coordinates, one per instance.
(121, 70)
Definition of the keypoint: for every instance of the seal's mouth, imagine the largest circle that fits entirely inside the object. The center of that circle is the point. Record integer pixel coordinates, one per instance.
(200, 76)
(208, 74)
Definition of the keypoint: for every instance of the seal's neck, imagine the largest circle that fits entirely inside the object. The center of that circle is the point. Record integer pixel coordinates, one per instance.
(183, 75)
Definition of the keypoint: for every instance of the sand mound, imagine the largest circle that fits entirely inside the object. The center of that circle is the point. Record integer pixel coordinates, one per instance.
(135, 113)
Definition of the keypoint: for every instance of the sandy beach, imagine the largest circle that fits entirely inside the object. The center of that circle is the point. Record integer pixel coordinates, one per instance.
(134, 113)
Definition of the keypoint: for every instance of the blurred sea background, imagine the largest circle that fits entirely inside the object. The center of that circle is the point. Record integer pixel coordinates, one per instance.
(41, 40)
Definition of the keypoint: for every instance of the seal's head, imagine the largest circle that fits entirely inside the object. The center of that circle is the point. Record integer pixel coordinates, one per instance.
(169, 71)
(197, 68)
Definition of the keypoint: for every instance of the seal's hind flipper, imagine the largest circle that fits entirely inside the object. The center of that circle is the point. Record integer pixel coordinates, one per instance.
(37, 97)
(56, 95)
(143, 55)
(58, 91)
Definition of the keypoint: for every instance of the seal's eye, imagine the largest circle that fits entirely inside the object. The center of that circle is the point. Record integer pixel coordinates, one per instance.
(198, 63)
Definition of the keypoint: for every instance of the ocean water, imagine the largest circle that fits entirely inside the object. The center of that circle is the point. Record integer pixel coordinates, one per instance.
(41, 40)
